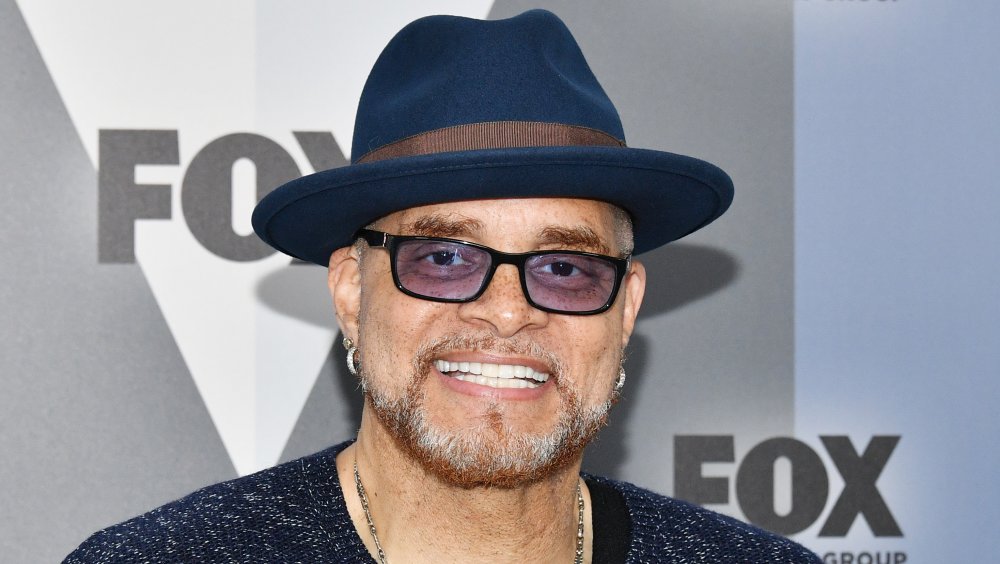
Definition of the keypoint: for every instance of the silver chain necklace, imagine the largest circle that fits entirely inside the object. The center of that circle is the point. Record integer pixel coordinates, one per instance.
(578, 559)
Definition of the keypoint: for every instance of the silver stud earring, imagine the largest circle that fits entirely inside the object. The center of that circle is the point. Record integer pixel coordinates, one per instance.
(352, 350)
(620, 382)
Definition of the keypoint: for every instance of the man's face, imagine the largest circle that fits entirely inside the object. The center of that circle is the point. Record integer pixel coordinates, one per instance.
(464, 424)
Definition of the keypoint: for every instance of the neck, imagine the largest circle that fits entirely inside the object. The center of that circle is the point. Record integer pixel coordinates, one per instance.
(420, 518)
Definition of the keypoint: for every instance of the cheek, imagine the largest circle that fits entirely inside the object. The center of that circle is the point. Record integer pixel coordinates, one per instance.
(392, 326)
(596, 353)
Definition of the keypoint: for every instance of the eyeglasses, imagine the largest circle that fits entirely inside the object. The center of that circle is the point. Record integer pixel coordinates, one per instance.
(448, 270)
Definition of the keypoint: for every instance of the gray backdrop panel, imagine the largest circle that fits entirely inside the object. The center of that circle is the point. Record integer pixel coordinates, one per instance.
(99, 419)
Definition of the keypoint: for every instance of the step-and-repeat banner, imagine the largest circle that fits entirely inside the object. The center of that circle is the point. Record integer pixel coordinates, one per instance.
(824, 361)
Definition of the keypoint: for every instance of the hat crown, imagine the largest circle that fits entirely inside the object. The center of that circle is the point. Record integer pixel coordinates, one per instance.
(458, 109)
(444, 71)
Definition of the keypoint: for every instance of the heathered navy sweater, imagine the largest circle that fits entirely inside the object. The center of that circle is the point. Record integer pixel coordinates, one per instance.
(295, 512)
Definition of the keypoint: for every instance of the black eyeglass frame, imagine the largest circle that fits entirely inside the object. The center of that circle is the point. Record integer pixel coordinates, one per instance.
(518, 260)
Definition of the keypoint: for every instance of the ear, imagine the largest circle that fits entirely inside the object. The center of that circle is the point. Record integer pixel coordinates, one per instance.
(344, 280)
(634, 287)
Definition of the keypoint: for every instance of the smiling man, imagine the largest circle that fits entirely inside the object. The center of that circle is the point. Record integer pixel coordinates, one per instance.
(480, 253)
(504, 366)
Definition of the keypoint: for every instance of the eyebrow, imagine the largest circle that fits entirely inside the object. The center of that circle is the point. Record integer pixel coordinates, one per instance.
(444, 226)
(574, 238)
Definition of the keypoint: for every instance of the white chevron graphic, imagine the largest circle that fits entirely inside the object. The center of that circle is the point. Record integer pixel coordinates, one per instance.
(254, 335)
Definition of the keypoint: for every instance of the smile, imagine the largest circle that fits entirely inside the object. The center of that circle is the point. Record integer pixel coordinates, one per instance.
(493, 375)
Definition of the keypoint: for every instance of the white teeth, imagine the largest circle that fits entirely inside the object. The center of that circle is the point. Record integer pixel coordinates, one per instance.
(493, 375)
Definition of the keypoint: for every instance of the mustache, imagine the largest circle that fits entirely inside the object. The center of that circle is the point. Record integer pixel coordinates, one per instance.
(488, 344)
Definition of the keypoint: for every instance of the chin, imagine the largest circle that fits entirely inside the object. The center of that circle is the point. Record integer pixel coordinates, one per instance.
(493, 451)
(490, 454)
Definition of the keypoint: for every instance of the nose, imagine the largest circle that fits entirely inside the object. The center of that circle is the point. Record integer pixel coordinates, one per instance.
(503, 308)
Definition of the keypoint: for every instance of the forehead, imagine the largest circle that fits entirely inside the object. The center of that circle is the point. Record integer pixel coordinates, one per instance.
(512, 224)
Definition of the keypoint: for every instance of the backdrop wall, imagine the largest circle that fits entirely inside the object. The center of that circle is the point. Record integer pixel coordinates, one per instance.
(822, 361)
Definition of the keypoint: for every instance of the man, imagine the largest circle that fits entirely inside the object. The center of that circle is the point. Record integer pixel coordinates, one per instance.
(479, 250)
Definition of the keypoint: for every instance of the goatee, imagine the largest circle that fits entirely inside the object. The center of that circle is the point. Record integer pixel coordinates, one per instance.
(491, 453)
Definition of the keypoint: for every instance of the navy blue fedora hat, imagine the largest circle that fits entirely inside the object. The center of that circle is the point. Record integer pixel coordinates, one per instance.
(459, 109)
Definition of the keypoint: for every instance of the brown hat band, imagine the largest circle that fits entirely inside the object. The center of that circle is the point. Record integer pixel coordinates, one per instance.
(492, 135)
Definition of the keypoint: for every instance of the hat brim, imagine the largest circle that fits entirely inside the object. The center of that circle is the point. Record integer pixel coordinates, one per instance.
(667, 195)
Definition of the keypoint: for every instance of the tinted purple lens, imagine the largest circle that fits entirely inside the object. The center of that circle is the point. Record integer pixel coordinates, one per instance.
(441, 269)
(451, 270)
(568, 282)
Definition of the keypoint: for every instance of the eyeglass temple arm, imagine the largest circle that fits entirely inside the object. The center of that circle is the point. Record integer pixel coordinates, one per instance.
(373, 238)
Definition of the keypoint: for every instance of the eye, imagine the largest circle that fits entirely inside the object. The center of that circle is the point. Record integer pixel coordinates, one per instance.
(561, 268)
(446, 258)
(570, 272)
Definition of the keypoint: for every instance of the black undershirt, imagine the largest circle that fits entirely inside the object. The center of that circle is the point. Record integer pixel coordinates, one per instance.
(611, 523)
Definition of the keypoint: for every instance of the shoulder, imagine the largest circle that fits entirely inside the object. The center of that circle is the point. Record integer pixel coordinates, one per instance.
(678, 531)
(287, 512)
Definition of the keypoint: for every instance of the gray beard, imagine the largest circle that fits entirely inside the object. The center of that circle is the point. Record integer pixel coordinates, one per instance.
(490, 454)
